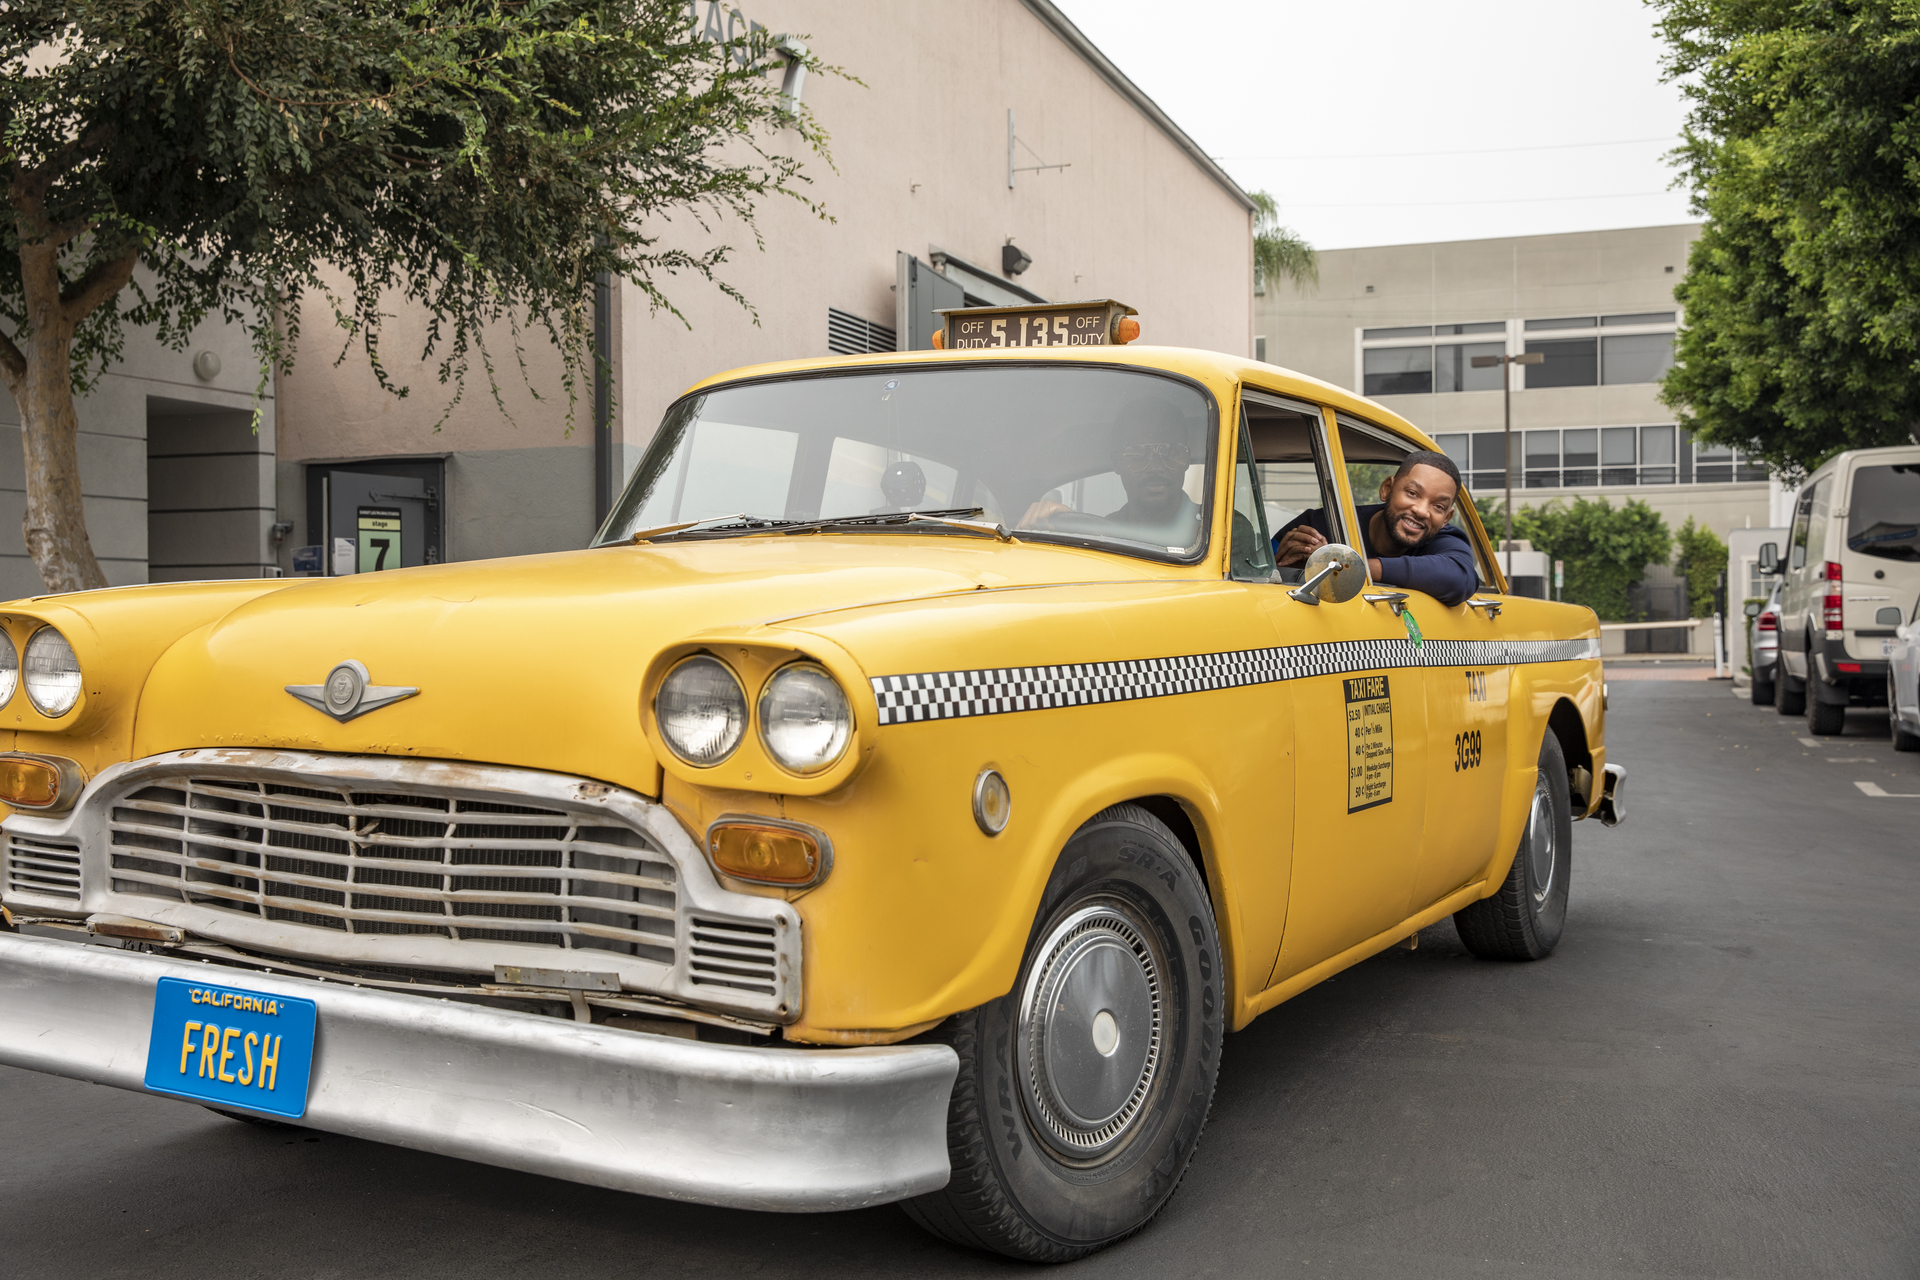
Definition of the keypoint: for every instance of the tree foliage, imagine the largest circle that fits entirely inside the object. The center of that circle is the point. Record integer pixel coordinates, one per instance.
(1279, 252)
(1802, 298)
(481, 160)
(1702, 557)
(1606, 548)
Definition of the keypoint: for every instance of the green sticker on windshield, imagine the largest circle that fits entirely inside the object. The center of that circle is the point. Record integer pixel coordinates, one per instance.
(1413, 627)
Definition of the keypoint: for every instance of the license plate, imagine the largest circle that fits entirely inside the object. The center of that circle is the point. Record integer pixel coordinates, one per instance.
(231, 1047)
(1886, 648)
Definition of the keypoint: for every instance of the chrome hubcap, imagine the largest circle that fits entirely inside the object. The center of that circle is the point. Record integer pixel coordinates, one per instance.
(1090, 1029)
(1541, 835)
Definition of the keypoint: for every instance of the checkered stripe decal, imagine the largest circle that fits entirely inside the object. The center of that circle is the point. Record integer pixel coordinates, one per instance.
(992, 691)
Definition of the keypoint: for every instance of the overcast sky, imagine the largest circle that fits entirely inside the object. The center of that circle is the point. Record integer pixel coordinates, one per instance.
(1388, 121)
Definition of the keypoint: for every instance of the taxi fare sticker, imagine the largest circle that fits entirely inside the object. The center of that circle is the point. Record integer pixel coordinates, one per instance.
(1369, 743)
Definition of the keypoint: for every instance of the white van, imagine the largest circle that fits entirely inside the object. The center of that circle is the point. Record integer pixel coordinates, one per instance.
(1851, 576)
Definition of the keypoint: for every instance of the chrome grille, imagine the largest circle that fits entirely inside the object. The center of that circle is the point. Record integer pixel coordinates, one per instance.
(43, 868)
(737, 954)
(373, 862)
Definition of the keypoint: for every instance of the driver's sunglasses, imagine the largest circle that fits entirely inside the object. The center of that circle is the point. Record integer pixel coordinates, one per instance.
(1166, 455)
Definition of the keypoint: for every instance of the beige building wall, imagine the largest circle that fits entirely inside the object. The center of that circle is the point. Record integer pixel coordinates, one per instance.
(1509, 280)
(176, 479)
(920, 162)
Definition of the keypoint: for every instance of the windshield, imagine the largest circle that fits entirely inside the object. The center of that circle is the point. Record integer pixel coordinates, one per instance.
(1883, 518)
(1111, 457)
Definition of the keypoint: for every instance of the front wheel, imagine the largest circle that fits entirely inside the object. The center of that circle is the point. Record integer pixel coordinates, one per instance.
(1524, 919)
(1082, 1092)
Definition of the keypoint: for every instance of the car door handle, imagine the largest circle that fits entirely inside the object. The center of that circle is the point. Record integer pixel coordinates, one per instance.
(1398, 599)
(1491, 606)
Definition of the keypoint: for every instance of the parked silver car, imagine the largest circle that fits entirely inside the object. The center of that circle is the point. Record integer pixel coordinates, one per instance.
(1903, 683)
(1763, 644)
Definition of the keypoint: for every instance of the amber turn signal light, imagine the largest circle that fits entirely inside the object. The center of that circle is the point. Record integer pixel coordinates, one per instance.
(27, 783)
(939, 340)
(767, 853)
(1126, 330)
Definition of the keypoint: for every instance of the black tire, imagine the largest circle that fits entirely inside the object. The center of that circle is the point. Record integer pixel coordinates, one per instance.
(1032, 1177)
(1762, 691)
(1902, 740)
(1788, 699)
(1524, 919)
(1824, 717)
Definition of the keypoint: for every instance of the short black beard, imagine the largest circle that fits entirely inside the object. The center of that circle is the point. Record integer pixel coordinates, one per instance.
(1392, 534)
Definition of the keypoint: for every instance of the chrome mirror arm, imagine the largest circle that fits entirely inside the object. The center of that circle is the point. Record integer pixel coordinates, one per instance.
(1308, 592)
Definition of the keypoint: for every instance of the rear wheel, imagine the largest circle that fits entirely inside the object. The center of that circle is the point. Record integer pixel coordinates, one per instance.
(1082, 1092)
(1824, 717)
(1523, 921)
(1762, 690)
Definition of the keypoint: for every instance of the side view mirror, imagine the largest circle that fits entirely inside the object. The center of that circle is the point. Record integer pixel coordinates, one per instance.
(1335, 574)
(1753, 608)
(1769, 560)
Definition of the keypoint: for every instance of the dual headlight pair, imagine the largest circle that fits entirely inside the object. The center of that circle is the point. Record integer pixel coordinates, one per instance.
(802, 717)
(52, 672)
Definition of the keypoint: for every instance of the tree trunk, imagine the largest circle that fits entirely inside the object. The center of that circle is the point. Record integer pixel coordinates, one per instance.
(37, 364)
(55, 524)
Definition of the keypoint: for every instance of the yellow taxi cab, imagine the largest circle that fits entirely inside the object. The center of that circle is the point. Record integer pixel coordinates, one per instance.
(924, 769)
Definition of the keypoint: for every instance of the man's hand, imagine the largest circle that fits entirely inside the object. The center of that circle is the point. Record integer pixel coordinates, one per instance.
(1296, 545)
(1038, 514)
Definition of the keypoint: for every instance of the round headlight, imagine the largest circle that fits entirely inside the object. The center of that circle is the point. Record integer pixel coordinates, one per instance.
(53, 673)
(701, 711)
(9, 669)
(804, 718)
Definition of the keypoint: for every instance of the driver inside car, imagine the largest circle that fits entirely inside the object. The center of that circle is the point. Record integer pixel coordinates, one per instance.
(1151, 459)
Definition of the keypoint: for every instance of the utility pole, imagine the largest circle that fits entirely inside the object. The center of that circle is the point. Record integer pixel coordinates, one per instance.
(1506, 401)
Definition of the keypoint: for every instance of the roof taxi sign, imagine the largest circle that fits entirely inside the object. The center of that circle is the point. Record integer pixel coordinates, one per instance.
(1099, 323)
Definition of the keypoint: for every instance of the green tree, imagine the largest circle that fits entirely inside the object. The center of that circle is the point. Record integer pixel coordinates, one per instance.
(168, 160)
(1606, 548)
(1802, 296)
(1280, 253)
(1702, 558)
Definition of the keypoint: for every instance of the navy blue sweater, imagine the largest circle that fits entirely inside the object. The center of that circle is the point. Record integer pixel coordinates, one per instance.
(1442, 566)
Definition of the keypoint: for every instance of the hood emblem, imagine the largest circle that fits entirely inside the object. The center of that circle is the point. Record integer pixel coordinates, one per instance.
(347, 693)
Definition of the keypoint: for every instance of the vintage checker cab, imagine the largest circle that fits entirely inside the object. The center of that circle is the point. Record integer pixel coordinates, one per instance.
(921, 773)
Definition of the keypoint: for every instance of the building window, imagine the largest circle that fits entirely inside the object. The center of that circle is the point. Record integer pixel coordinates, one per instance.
(1569, 362)
(1397, 371)
(849, 335)
(1260, 348)
(1583, 457)
(1635, 357)
(1453, 366)
(1393, 361)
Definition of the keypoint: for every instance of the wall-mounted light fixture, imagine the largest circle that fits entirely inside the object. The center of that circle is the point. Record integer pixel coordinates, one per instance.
(1012, 259)
(206, 366)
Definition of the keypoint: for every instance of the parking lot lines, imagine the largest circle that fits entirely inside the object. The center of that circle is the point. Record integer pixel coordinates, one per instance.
(1874, 790)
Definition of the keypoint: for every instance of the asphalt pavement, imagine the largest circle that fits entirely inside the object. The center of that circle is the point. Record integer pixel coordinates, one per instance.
(1717, 1074)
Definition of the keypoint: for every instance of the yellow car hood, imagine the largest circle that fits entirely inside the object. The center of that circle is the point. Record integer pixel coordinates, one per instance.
(537, 661)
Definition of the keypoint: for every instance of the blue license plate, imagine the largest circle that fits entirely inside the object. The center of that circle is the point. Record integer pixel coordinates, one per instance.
(231, 1047)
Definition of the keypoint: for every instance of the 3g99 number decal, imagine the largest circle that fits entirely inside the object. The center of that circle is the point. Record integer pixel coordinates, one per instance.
(1466, 750)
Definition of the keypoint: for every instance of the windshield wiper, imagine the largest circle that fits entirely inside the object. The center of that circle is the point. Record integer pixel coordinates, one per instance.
(712, 524)
(951, 518)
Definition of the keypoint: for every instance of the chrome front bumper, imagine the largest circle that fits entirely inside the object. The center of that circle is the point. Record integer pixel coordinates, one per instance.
(790, 1130)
